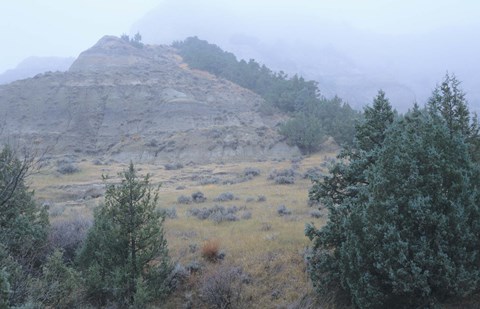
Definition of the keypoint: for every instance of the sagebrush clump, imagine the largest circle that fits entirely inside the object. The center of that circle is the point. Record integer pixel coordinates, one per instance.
(251, 171)
(225, 197)
(216, 213)
(67, 168)
(281, 177)
(223, 287)
(170, 213)
(282, 210)
(173, 166)
(198, 197)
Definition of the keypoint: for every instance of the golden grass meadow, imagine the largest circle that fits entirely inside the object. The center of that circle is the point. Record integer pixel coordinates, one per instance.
(268, 247)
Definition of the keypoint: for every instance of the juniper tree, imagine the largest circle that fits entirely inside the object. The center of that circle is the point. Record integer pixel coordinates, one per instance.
(4, 290)
(305, 131)
(23, 225)
(448, 101)
(58, 287)
(403, 232)
(347, 172)
(335, 191)
(126, 248)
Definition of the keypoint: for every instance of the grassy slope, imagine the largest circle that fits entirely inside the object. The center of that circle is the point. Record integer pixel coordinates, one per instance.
(272, 257)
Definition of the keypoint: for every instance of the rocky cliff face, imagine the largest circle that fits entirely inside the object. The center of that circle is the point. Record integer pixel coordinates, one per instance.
(143, 104)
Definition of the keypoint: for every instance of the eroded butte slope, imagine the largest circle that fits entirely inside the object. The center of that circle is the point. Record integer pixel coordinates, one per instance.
(127, 103)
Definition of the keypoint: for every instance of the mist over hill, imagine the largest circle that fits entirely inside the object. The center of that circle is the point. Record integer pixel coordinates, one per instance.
(35, 65)
(348, 61)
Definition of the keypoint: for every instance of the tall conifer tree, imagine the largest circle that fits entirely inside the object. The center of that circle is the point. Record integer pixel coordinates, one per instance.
(126, 248)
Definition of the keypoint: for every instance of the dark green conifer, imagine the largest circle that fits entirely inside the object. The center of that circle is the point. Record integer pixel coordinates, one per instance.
(404, 217)
(126, 245)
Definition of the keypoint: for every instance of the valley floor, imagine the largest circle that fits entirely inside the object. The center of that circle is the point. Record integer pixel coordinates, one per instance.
(266, 241)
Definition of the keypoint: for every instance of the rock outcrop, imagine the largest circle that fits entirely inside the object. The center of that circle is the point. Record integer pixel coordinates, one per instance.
(143, 104)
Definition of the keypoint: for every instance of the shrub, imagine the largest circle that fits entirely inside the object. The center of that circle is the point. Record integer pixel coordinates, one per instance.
(201, 214)
(218, 217)
(68, 235)
(178, 276)
(284, 180)
(55, 210)
(224, 197)
(282, 210)
(97, 162)
(285, 172)
(286, 176)
(209, 181)
(192, 248)
(173, 166)
(223, 288)
(247, 215)
(265, 226)
(59, 286)
(170, 213)
(67, 168)
(261, 198)
(216, 213)
(152, 143)
(198, 197)
(210, 250)
(238, 179)
(183, 199)
(194, 266)
(296, 160)
(251, 171)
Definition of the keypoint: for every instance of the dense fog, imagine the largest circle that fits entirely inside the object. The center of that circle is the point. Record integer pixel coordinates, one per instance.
(351, 48)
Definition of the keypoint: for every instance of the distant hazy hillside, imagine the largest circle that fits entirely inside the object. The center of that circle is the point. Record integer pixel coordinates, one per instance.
(344, 60)
(35, 65)
(125, 102)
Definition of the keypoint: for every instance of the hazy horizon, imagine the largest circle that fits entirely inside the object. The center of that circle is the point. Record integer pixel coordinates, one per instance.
(60, 28)
(404, 46)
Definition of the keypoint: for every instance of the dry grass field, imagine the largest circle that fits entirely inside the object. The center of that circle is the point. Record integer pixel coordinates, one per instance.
(266, 246)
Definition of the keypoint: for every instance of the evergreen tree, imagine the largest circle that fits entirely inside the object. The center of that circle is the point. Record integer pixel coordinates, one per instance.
(335, 191)
(448, 102)
(304, 131)
(4, 290)
(313, 117)
(23, 225)
(137, 40)
(404, 218)
(59, 286)
(347, 174)
(126, 248)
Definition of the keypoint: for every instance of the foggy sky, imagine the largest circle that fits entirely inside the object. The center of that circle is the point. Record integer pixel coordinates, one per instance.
(351, 47)
(65, 28)
(62, 27)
